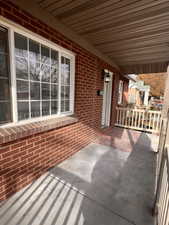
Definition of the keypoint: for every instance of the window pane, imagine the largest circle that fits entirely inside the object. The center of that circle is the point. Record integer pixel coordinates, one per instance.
(5, 112)
(3, 40)
(54, 58)
(35, 109)
(54, 107)
(54, 75)
(54, 91)
(45, 73)
(34, 51)
(67, 92)
(62, 106)
(5, 96)
(23, 110)
(45, 91)
(35, 90)
(45, 55)
(62, 92)
(21, 46)
(22, 90)
(67, 105)
(34, 69)
(21, 68)
(4, 70)
(4, 89)
(67, 77)
(67, 72)
(62, 69)
(45, 108)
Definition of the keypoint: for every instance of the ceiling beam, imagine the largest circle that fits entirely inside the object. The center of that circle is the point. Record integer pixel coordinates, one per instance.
(145, 68)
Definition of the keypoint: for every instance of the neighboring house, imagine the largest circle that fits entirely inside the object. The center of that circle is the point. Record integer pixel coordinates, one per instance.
(156, 81)
(138, 92)
(157, 86)
(54, 96)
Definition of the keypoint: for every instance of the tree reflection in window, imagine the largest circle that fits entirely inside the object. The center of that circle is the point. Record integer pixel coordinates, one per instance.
(38, 65)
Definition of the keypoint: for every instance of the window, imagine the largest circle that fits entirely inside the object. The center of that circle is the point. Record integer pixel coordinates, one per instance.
(37, 76)
(43, 78)
(120, 97)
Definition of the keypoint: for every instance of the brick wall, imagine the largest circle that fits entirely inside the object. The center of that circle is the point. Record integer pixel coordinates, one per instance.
(23, 160)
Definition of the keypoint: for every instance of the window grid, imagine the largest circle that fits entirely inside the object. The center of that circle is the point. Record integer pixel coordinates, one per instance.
(48, 102)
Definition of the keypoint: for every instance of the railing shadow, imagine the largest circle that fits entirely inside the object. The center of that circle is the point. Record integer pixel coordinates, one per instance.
(98, 185)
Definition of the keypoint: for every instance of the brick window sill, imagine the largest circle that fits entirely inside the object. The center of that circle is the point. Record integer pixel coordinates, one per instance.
(14, 132)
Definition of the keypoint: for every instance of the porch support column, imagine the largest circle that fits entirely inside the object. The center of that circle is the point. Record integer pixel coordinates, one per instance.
(166, 104)
(146, 95)
(166, 96)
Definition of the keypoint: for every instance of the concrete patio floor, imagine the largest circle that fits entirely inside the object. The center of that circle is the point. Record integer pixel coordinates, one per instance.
(100, 185)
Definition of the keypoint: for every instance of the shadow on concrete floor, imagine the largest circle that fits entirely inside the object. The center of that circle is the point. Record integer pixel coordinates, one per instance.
(98, 185)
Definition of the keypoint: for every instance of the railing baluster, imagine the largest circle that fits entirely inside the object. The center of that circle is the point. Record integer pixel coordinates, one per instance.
(122, 117)
(139, 119)
(150, 118)
(117, 119)
(125, 117)
(132, 118)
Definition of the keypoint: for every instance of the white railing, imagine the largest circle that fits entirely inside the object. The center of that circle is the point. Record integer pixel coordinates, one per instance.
(138, 119)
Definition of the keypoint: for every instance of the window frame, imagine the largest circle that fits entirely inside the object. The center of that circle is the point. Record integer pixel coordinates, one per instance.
(121, 88)
(9, 79)
(12, 28)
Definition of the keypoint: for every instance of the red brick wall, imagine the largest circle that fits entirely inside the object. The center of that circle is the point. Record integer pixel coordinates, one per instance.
(24, 160)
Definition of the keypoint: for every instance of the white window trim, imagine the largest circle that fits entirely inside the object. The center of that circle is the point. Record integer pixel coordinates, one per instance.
(12, 27)
(120, 97)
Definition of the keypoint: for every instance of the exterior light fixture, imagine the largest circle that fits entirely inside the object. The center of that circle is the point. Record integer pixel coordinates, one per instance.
(106, 75)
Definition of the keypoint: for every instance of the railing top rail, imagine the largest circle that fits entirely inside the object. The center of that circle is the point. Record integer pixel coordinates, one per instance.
(138, 110)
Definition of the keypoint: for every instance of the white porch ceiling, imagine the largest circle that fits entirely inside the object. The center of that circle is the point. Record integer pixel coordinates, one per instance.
(133, 33)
